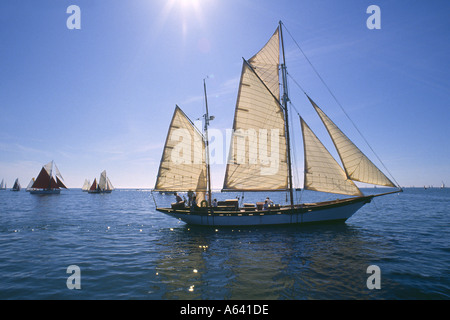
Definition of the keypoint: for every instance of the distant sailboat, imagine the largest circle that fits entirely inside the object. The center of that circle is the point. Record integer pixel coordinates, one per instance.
(104, 185)
(261, 127)
(86, 185)
(443, 185)
(16, 186)
(29, 188)
(45, 183)
(3, 185)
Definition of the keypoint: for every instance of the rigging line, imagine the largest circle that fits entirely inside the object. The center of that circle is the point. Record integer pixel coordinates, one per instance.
(337, 101)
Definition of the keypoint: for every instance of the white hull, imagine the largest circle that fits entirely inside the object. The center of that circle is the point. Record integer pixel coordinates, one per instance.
(321, 212)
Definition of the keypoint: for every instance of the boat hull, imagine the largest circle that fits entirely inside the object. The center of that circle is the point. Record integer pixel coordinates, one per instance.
(330, 211)
(44, 191)
(98, 191)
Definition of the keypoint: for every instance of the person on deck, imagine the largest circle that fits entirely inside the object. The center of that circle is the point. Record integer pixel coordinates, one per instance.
(269, 202)
(194, 205)
(178, 198)
(266, 205)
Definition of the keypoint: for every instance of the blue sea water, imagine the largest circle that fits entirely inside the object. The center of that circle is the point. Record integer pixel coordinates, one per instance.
(125, 249)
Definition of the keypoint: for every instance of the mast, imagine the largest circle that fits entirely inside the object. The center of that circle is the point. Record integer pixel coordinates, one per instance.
(207, 119)
(285, 101)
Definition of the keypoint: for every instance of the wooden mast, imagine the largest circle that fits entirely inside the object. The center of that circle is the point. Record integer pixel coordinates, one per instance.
(285, 101)
(207, 119)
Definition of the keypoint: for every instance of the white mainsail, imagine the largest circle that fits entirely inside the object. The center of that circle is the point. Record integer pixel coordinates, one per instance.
(357, 166)
(258, 158)
(102, 181)
(86, 185)
(109, 185)
(3, 185)
(322, 172)
(183, 165)
(30, 184)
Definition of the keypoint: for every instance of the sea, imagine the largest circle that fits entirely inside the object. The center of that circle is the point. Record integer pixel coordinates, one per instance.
(80, 246)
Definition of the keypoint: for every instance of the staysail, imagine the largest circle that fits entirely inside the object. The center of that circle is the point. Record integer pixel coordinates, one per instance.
(182, 166)
(322, 172)
(357, 166)
(258, 158)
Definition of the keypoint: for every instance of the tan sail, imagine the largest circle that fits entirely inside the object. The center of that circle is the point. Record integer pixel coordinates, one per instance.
(322, 172)
(357, 166)
(265, 63)
(257, 158)
(182, 166)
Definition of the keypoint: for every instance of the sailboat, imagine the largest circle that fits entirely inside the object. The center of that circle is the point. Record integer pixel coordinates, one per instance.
(260, 156)
(45, 183)
(16, 186)
(86, 185)
(3, 185)
(103, 186)
(28, 189)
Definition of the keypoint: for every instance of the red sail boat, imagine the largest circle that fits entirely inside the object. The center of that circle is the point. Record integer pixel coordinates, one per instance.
(45, 183)
(103, 186)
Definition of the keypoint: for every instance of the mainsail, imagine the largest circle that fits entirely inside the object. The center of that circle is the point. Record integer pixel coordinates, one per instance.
(183, 165)
(258, 158)
(357, 166)
(94, 185)
(104, 184)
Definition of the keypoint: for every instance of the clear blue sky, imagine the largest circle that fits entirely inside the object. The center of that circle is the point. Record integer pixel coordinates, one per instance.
(101, 98)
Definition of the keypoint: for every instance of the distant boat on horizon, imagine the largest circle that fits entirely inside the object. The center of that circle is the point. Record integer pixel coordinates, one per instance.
(86, 185)
(104, 185)
(45, 183)
(3, 185)
(443, 185)
(16, 186)
(28, 189)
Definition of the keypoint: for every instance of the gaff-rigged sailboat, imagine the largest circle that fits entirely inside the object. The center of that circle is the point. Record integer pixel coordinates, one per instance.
(45, 183)
(16, 186)
(103, 186)
(3, 185)
(261, 124)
